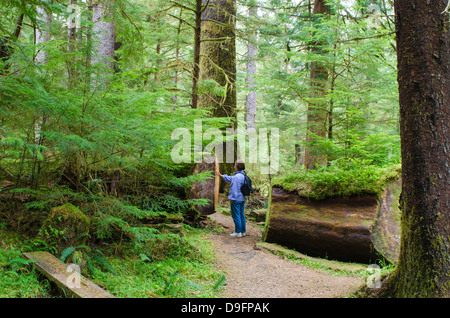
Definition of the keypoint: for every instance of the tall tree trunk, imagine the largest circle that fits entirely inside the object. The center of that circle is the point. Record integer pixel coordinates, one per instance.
(72, 39)
(199, 9)
(250, 104)
(18, 28)
(104, 36)
(218, 63)
(316, 122)
(6, 49)
(177, 55)
(218, 55)
(42, 34)
(423, 43)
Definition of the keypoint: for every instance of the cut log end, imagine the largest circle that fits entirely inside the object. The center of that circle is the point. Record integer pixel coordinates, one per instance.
(351, 229)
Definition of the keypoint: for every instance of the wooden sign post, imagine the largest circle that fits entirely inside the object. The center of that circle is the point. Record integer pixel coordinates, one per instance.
(216, 184)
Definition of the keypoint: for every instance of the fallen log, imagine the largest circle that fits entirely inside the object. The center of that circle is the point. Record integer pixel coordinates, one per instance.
(358, 229)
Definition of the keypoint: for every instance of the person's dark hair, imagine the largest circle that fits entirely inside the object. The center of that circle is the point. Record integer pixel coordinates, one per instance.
(240, 165)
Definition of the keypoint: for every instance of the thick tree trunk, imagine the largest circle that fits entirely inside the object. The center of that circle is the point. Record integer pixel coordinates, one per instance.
(316, 122)
(218, 63)
(423, 42)
(218, 56)
(104, 35)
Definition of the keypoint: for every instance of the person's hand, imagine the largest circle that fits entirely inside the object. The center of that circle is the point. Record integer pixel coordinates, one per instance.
(218, 173)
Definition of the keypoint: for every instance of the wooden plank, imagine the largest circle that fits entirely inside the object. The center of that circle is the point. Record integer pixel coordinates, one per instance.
(216, 185)
(62, 275)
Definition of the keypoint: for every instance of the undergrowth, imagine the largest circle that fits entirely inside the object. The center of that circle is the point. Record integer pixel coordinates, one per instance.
(169, 265)
(173, 267)
(17, 278)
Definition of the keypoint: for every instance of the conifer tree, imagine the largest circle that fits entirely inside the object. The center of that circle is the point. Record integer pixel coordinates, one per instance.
(423, 41)
(317, 109)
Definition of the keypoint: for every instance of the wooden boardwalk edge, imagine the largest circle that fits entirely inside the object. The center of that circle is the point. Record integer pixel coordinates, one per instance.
(65, 277)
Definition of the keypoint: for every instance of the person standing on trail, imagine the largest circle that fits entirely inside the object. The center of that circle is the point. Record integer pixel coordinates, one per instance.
(237, 199)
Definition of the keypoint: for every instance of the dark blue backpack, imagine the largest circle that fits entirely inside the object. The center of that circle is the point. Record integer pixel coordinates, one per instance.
(246, 188)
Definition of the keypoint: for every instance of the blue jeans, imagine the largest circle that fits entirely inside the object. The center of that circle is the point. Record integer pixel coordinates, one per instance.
(237, 213)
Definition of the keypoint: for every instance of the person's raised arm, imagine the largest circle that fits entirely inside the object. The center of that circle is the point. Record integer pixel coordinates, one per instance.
(224, 176)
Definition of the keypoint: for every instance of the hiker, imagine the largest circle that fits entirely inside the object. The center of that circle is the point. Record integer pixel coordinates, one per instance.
(237, 199)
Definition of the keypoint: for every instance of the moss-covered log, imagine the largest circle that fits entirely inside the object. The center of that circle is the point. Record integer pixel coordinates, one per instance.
(358, 228)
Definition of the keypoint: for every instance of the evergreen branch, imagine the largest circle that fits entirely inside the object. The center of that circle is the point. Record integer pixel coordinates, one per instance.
(366, 37)
(177, 4)
(205, 7)
(181, 20)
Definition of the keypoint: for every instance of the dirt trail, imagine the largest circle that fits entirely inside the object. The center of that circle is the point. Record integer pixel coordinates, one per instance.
(256, 273)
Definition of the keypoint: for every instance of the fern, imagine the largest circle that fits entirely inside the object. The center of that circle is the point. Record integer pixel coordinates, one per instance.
(66, 253)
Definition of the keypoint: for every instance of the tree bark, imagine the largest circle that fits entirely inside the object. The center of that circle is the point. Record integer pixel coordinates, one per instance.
(218, 55)
(6, 49)
(197, 43)
(104, 35)
(42, 33)
(423, 42)
(218, 63)
(316, 122)
(250, 103)
(72, 39)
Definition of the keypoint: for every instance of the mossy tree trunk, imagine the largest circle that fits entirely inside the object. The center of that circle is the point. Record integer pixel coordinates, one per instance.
(317, 119)
(423, 43)
(218, 56)
(218, 63)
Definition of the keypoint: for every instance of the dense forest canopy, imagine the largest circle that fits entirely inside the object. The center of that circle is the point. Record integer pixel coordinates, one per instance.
(59, 122)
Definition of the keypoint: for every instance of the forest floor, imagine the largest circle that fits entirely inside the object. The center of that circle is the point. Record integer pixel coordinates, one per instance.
(254, 272)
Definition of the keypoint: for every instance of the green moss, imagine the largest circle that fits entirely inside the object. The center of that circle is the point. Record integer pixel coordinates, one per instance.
(69, 211)
(334, 181)
(423, 262)
(66, 225)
